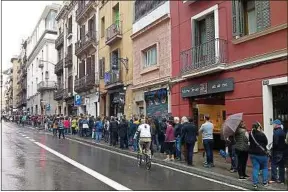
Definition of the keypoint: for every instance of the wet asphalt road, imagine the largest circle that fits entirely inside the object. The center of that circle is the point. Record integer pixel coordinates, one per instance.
(27, 166)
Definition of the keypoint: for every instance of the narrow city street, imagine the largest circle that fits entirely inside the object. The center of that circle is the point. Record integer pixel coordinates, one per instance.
(33, 160)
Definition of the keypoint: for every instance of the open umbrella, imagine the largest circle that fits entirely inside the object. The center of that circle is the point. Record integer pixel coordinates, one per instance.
(231, 124)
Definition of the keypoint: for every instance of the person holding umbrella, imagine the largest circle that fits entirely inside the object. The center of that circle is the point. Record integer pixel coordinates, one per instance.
(235, 126)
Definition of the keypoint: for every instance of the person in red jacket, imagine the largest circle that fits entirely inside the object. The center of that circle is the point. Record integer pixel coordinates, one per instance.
(170, 141)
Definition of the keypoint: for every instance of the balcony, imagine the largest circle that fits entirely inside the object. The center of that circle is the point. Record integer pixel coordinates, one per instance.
(207, 58)
(114, 33)
(46, 85)
(68, 93)
(24, 60)
(68, 61)
(59, 41)
(58, 95)
(113, 79)
(85, 83)
(23, 100)
(59, 67)
(86, 44)
(84, 10)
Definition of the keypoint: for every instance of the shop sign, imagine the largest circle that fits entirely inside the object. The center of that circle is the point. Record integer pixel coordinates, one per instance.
(210, 87)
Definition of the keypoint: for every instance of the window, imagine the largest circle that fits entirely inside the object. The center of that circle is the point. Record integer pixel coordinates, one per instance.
(70, 25)
(102, 68)
(50, 21)
(150, 57)
(249, 16)
(103, 27)
(88, 66)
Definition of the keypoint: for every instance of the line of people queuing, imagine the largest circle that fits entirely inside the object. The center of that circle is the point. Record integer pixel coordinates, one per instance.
(177, 139)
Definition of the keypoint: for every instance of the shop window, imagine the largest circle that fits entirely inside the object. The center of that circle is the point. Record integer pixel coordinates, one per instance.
(150, 56)
(249, 16)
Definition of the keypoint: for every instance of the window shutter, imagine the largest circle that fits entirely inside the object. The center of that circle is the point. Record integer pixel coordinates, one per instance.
(195, 52)
(100, 69)
(209, 47)
(237, 18)
(262, 14)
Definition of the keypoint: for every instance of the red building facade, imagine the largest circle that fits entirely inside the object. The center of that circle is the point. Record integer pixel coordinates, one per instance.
(214, 41)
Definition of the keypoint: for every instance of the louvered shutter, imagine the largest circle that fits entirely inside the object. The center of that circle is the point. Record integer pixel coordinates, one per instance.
(195, 49)
(209, 48)
(100, 68)
(237, 18)
(262, 9)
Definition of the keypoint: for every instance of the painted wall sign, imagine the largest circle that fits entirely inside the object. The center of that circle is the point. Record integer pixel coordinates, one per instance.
(217, 86)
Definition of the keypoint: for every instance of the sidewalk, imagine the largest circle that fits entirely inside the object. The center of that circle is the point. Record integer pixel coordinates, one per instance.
(220, 172)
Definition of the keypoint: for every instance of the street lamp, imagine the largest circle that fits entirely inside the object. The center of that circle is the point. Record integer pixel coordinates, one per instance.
(40, 60)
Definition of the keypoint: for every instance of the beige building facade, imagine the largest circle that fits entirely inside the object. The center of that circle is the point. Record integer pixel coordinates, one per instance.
(151, 58)
(15, 86)
(115, 58)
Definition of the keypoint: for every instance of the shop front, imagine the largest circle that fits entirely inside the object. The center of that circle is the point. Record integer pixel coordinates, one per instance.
(117, 103)
(208, 98)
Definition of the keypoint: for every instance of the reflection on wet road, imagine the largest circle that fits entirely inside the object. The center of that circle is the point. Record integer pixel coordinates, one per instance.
(68, 165)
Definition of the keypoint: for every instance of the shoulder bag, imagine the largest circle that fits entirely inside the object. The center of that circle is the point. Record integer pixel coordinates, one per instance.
(268, 152)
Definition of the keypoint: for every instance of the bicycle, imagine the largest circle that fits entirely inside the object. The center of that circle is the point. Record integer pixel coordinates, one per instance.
(147, 157)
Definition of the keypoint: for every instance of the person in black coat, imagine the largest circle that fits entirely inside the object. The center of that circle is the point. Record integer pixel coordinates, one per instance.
(123, 128)
(190, 133)
(113, 131)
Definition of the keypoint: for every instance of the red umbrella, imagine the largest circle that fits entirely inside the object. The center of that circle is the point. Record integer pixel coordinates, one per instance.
(231, 124)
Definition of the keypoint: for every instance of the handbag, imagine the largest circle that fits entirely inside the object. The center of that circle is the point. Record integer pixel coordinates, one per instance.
(268, 152)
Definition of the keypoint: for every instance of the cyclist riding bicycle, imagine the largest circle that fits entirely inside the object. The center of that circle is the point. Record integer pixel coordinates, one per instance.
(144, 130)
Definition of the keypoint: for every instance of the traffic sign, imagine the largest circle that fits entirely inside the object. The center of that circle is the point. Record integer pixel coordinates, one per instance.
(77, 100)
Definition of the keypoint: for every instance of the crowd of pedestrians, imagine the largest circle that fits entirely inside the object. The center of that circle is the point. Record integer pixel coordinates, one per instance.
(177, 137)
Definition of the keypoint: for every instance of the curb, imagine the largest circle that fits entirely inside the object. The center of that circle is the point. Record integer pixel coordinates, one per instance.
(193, 170)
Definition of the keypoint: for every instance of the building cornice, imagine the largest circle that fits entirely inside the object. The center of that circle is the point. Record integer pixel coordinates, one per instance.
(39, 41)
(150, 26)
(61, 13)
(151, 83)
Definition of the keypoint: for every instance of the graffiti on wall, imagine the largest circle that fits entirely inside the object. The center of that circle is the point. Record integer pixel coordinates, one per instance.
(157, 103)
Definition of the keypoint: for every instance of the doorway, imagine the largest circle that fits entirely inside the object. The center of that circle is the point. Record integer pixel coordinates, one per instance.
(214, 107)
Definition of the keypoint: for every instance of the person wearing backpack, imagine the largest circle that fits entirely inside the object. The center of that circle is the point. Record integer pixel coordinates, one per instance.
(258, 154)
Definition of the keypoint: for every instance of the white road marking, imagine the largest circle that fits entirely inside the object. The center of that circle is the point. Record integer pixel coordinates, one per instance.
(174, 169)
(24, 135)
(91, 172)
(27, 137)
(32, 140)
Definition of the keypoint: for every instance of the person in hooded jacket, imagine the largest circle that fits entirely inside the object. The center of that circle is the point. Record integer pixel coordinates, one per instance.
(258, 154)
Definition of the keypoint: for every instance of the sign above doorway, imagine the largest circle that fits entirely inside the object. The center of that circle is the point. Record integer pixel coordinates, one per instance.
(210, 87)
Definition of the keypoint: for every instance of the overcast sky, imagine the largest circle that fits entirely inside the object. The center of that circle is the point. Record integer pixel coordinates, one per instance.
(19, 19)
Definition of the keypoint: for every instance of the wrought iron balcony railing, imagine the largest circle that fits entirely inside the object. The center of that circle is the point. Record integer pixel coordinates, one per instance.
(46, 85)
(114, 32)
(59, 67)
(113, 78)
(84, 9)
(86, 43)
(68, 60)
(59, 41)
(68, 93)
(205, 56)
(85, 83)
(58, 94)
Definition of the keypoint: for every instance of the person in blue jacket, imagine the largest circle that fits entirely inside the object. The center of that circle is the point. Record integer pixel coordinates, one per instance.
(98, 129)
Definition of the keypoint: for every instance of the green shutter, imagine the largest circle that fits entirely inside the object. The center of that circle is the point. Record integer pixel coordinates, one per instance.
(262, 9)
(237, 18)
